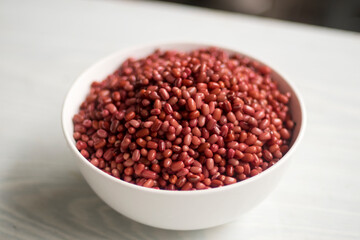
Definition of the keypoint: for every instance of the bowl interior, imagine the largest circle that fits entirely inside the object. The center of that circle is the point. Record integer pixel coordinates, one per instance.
(108, 65)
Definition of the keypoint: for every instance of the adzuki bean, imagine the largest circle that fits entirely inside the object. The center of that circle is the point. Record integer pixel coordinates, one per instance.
(185, 121)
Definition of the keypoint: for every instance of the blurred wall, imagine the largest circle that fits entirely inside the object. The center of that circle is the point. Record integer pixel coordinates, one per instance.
(341, 14)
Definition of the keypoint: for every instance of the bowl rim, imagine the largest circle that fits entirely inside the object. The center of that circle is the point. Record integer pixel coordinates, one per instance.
(166, 45)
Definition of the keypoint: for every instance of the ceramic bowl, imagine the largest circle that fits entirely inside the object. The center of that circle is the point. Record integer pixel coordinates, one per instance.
(177, 210)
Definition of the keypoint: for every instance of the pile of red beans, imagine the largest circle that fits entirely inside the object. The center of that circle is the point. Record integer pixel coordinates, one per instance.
(185, 121)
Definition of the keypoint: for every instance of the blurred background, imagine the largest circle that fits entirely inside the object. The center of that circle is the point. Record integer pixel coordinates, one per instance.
(341, 14)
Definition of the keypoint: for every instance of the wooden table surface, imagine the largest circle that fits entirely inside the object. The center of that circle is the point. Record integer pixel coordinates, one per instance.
(45, 44)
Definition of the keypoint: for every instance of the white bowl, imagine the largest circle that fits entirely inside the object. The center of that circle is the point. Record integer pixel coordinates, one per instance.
(177, 210)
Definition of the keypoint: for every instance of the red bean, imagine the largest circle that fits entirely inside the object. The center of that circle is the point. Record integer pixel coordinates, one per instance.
(187, 186)
(196, 170)
(142, 133)
(173, 179)
(229, 180)
(176, 166)
(212, 107)
(217, 114)
(234, 162)
(128, 171)
(267, 155)
(198, 101)
(248, 157)
(167, 162)
(248, 110)
(211, 124)
(130, 115)
(134, 123)
(168, 109)
(251, 149)
(149, 183)
(284, 149)
(156, 125)
(239, 169)
(209, 163)
(128, 163)
(139, 168)
(76, 135)
(277, 154)
(187, 139)
(95, 162)
(254, 172)
(98, 144)
(81, 145)
(208, 153)
(111, 108)
(247, 169)
(200, 186)
(216, 183)
(191, 104)
(200, 120)
(196, 132)
(256, 131)
(229, 170)
(102, 133)
(152, 145)
(164, 94)
(194, 114)
(227, 106)
(167, 153)
(251, 140)
(274, 148)
(156, 168)
(115, 173)
(231, 117)
(264, 124)
(282, 98)
(276, 121)
(239, 154)
(285, 134)
(205, 110)
(290, 124)
(195, 140)
(109, 154)
(180, 182)
(265, 136)
(149, 174)
(259, 114)
(182, 172)
(136, 155)
(213, 139)
(151, 155)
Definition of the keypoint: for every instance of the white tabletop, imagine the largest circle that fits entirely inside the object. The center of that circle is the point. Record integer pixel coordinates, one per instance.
(45, 44)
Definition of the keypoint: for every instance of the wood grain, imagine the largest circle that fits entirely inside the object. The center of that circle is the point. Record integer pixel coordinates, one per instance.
(44, 45)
